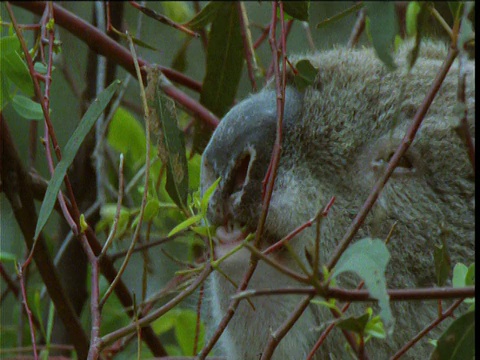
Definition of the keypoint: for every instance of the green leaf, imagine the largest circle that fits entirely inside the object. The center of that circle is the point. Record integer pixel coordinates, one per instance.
(224, 61)
(166, 322)
(411, 16)
(382, 27)
(151, 209)
(185, 331)
(459, 273)
(458, 341)
(205, 16)
(194, 165)
(351, 10)
(8, 45)
(4, 90)
(354, 323)
(27, 108)
(306, 74)
(126, 135)
(442, 264)
(178, 11)
(171, 148)
(297, 9)
(470, 277)
(92, 114)
(331, 304)
(16, 70)
(374, 326)
(185, 224)
(207, 195)
(455, 8)
(6, 256)
(369, 258)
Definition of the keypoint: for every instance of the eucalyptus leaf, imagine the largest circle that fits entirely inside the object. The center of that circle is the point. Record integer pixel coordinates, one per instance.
(27, 108)
(73, 144)
(442, 264)
(306, 74)
(368, 258)
(297, 9)
(382, 27)
(225, 58)
(205, 16)
(17, 72)
(171, 147)
(458, 341)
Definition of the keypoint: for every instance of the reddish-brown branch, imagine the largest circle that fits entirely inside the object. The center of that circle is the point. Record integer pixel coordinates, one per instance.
(162, 18)
(27, 309)
(405, 144)
(421, 334)
(364, 295)
(278, 335)
(103, 45)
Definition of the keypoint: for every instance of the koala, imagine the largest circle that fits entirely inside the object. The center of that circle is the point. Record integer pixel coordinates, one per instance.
(338, 137)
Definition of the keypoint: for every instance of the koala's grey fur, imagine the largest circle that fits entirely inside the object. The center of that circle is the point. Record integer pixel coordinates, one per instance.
(337, 139)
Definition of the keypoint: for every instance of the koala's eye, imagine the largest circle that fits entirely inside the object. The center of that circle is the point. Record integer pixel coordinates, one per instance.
(240, 173)
(404, 162)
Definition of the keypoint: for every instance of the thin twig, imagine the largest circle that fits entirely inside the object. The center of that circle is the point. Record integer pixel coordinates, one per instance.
(113, 231)
(147, 319)
(247, 44)
(278, 335)
(357, 29)
(136, 234)
(27, 309)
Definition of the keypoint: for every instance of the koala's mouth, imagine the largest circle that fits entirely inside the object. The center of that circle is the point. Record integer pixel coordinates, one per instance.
(228, 237)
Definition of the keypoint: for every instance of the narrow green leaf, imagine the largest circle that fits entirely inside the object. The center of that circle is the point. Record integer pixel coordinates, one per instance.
(297, 9)
(4, 90)
(27, 108)
(6, 256)
(382, 27)
(224, 61)
(470, 276)
(16, 70)
(411, 16)
(351, 10)
(205, 16)
(458, 341)
(185, 224)
(442, 264)
(171, 148)
(90, 117)
(225, 58)
(369, 258)
(207, 195)
(354, 323)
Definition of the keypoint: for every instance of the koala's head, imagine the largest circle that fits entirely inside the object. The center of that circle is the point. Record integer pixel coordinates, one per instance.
(239, 153)
(338, 137)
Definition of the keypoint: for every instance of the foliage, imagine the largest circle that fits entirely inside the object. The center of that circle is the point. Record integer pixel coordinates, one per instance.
(174, 208)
